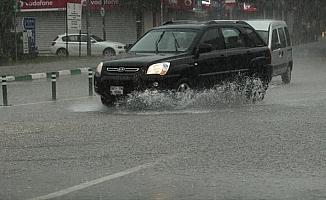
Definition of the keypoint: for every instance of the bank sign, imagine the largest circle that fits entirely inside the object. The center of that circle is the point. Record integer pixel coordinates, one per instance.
(53, 5)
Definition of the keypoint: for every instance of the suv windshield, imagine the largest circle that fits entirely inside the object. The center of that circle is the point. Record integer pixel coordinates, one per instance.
(165, 41)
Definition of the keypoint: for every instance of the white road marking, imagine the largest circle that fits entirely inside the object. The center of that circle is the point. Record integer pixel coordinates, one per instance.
(100, 180)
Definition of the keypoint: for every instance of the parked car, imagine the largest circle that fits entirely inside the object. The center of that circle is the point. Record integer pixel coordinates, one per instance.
(183, 55)
(277, 36)
(98, 46)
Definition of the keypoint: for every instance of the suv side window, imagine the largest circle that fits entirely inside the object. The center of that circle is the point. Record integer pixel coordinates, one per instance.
(275, 40)
(233, 38)
(214, 38)
(288, 39)
(253, 39)
(282, 37)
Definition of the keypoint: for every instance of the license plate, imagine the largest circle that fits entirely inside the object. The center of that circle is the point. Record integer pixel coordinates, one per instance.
(116, 90)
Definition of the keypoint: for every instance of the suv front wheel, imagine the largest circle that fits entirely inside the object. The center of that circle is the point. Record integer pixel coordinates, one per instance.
(183, 85)
(107, 101)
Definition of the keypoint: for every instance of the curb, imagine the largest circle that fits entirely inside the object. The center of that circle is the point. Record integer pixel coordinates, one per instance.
(36, 76)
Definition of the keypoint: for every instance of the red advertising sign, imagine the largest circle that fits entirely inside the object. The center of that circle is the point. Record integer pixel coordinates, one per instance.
(48, 5)
(97, 4)
(180, 4)
(248, 8)
(42, 5)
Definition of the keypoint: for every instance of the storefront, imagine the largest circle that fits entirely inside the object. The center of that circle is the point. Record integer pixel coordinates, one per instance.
(50, 18)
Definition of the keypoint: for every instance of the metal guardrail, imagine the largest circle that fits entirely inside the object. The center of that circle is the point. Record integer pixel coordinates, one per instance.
(53, 77)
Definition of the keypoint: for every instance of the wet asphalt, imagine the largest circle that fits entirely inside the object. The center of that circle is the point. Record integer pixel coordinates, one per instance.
(273, 149)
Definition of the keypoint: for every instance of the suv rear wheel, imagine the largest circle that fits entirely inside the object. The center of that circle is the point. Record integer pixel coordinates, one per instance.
(286, 77)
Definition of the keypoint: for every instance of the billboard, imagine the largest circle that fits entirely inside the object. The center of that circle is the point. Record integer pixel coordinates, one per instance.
(55, 5)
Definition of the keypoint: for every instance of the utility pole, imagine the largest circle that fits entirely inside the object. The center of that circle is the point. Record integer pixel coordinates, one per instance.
(87, 28)
(103, 19)
(15, 21)
(139, 18)
(162, 14)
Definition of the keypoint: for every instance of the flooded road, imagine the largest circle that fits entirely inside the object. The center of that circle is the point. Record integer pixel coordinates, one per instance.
(199, 148)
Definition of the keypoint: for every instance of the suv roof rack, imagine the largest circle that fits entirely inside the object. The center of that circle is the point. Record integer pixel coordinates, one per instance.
(227, 21)
(205, 22)
(180, 22)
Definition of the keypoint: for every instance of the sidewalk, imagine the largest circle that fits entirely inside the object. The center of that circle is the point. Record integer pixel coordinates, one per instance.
(55, 65)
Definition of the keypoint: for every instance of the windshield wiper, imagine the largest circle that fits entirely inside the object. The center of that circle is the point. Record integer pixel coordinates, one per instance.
(176, 44)
(158, 41)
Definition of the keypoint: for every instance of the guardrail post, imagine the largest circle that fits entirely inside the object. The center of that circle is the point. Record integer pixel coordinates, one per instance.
(4, 90)
(90, 81)
(54, 85)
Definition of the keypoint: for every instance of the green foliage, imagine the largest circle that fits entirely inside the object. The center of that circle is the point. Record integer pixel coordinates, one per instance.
(7, 13)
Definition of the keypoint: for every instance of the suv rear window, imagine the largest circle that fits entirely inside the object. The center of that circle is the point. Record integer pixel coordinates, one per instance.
(232, 38)
(254, 39)
(263, 35)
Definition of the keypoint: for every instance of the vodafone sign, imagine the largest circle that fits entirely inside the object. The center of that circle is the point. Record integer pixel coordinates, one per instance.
(48, 5)
(42, 5)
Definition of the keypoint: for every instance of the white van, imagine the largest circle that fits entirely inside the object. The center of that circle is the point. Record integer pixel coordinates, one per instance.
(276, 35)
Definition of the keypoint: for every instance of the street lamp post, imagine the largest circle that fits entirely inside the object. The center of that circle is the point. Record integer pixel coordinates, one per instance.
(87, 28)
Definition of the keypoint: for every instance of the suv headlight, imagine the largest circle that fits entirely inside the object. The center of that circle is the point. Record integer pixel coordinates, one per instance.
(159, 68)
(99, 68)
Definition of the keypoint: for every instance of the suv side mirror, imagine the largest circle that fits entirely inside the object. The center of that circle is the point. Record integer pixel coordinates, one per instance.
(203, 48)
(276, 46)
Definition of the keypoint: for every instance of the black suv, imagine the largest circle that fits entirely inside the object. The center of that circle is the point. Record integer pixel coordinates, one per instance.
(182, 55)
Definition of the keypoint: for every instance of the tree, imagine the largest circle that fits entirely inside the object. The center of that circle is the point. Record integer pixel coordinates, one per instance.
(139, 6)
(7, 14)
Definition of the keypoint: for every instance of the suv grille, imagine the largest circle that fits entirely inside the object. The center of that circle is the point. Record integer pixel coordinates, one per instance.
(122, 69)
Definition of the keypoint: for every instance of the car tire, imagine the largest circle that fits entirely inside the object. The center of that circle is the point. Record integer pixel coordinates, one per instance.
(62, 52)
(107, 101)
(109, 52)
(286, 77)
(183, 86)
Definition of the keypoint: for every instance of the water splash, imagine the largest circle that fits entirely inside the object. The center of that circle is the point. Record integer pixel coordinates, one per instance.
(243, 90)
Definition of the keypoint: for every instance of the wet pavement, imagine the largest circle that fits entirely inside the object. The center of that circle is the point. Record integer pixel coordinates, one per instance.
(75, 148)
